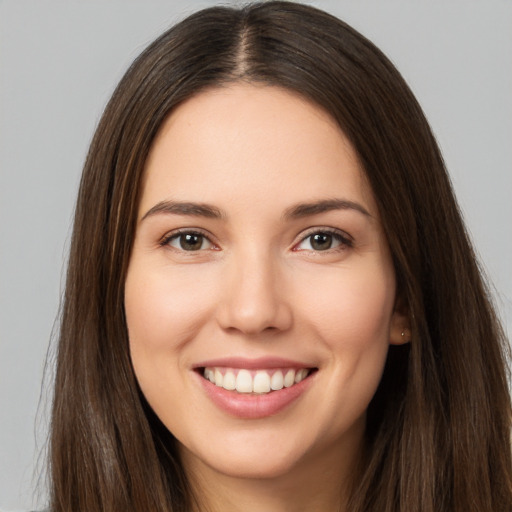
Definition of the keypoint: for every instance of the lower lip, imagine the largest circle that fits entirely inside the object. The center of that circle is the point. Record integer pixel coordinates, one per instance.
(254, 406)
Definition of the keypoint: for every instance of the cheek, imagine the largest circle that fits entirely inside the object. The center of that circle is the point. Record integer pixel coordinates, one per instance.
(163, 310)
(351, 306)
(163, 313)
(351, 319)
(351, 316)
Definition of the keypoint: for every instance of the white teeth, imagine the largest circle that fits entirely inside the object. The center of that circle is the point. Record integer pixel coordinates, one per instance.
(229, 381)
(260, 381)
(244, 382)
(209, 374)
(277, 381)
(300, 375)
(219, 379)
(289, 378)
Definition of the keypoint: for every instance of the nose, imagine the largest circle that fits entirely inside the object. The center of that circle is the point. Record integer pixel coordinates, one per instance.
(253, 297)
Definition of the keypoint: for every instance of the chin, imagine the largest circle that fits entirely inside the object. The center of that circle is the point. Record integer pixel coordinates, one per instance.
(251, 460)
(256, 468)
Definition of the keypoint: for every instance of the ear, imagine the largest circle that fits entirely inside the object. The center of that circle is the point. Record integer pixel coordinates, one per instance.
(400, 327)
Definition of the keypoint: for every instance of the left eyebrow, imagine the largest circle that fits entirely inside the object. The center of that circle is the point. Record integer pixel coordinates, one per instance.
(307, 209)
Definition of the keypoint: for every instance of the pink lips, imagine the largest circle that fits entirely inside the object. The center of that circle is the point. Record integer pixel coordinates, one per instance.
(249, 405)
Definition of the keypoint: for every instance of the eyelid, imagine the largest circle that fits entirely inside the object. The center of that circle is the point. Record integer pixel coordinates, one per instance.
(343, 237)
(346, 241)
(164, 241)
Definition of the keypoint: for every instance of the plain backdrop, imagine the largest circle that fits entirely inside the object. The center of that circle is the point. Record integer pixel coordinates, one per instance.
(59, 62)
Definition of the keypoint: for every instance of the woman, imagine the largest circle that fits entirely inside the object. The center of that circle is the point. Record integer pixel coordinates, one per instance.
(271, 301)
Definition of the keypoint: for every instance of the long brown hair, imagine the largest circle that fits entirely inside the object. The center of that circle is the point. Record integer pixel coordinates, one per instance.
(438, 428)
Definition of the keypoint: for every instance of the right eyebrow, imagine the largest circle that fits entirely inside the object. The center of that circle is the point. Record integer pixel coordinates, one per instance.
(185, 208)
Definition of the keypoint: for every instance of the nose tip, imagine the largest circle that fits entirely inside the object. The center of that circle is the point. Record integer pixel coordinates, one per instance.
(252, 318)
(253, 302)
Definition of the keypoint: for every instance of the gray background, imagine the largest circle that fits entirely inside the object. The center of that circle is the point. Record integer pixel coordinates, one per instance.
(59, 62)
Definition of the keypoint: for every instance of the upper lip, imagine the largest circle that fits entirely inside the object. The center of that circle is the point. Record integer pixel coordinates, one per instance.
(252, 363)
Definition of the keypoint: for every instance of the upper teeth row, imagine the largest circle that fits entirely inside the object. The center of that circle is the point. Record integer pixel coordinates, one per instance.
(262, 382)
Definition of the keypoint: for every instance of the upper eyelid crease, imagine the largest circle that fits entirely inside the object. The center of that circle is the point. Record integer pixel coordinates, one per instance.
(185, 231)
(325, 229)
(341, 236)
(337, 233)
(176, 235)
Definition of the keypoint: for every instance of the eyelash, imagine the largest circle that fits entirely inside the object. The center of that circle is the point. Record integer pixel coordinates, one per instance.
(180, 232)
(344, 240)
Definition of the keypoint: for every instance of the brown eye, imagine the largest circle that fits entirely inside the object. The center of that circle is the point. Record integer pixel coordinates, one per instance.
(321, 241)
(189, 241)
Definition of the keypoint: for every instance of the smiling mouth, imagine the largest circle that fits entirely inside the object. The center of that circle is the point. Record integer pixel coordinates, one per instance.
(255, 381)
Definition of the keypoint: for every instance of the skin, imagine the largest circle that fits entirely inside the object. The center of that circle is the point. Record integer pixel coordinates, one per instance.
(257, 287)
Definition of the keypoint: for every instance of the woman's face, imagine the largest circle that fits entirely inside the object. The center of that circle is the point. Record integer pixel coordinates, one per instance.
(259, 263)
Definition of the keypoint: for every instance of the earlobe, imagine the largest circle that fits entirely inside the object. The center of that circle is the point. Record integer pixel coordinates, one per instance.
(405, 337)
(400, 330)
(400, 335)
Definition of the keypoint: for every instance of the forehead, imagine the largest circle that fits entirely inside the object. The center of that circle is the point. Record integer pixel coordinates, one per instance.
(255, 140)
